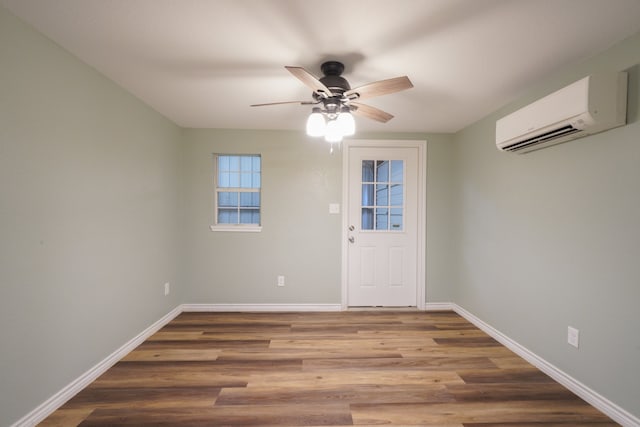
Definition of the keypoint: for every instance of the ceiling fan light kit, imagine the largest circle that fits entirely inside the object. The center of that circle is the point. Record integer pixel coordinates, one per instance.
(316, 125)
(334, 127)
(347, 122)
(334, 101)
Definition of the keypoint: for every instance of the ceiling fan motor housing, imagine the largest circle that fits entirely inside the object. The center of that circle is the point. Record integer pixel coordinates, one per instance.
(332, 79)
(337, 84)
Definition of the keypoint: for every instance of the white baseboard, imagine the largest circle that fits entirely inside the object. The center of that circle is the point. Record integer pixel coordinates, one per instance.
(438, 306)
(60, 398)
(260, 307)
(599, 402)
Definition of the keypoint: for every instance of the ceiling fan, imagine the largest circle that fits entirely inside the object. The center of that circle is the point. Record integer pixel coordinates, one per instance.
(335, 100)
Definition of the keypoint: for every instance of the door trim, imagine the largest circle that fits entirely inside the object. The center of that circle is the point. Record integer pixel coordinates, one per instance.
(422, 211)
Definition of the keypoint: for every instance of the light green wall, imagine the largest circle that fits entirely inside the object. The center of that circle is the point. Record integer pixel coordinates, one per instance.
(551, 239)
(299, 239)
(89, 181)
(299, 180)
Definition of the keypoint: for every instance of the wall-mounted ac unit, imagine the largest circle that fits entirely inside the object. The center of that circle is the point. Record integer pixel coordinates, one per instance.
(590, 105)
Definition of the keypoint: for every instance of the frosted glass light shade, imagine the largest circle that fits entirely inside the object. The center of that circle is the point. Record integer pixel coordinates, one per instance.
(316, 125)
(333, 133)
(346, 123)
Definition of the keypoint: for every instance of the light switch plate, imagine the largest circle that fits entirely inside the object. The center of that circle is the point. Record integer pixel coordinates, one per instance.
(334, 208)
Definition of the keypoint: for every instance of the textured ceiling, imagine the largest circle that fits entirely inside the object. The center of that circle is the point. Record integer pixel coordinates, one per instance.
(202, 63)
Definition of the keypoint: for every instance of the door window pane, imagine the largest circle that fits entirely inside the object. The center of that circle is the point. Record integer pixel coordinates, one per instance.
(396, 195)
(382, 205)
(395, 219)
(397, 170)
(382, 195)
(367, 171)
(382, 171)
(367, 219)
(367, 195)
(382, 219)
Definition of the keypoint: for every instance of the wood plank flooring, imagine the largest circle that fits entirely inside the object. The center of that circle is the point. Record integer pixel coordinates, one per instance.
(313, 369)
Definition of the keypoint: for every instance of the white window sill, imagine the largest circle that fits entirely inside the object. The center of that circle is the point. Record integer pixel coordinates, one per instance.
(237, 228)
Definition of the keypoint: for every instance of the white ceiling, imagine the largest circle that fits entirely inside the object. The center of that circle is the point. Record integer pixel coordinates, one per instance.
(201, 63)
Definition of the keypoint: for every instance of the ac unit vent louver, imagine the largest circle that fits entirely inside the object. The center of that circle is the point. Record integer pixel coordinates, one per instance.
(565, 130)
(590, 105)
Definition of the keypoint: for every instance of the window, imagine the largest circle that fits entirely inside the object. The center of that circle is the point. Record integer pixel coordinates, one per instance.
(382, 195)
(237, 192)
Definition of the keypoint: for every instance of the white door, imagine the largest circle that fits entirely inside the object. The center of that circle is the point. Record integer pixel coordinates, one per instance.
(382, 220)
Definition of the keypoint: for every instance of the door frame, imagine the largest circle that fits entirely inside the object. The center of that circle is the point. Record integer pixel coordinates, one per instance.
(421, 146)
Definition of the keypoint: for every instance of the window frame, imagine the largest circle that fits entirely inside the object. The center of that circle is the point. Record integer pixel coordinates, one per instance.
(216, 189)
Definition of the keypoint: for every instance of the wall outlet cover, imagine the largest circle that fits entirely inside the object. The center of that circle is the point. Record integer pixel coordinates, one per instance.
(573, 336)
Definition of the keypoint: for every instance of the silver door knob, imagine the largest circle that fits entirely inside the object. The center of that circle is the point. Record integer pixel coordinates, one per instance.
(352, 239)
(351, 228)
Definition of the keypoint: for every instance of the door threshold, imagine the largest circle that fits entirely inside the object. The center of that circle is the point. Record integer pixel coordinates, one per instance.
(382, 308)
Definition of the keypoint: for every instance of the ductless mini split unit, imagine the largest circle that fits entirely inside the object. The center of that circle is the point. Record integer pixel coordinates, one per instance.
(590, 105)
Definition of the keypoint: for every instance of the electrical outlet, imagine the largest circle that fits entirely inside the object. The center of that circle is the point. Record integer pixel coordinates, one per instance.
(280, 280)
(167, 288)
(573, 336)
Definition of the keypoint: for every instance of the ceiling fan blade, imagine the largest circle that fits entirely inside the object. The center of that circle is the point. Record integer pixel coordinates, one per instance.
(284, 102)
(370, 112)
(378, 88)
(310, 80)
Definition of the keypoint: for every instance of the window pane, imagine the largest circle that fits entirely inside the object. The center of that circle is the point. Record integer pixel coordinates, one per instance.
(227, 199)
(382, 171)
(227, 216)
(245, 180)
(245, 163)
(396, 170)
(234, 180)
(396, 195)
(256, 163)
(223, 179)
(367, 195)
(382, 219)
(367, 171)
(255, 180)
(396, 219)
(367, 219)
(234, 163)
(382, 195)
(249, 216)
(250, 200)
(223, 163)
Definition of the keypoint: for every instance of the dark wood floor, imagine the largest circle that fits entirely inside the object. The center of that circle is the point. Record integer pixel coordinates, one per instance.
(380, 367)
